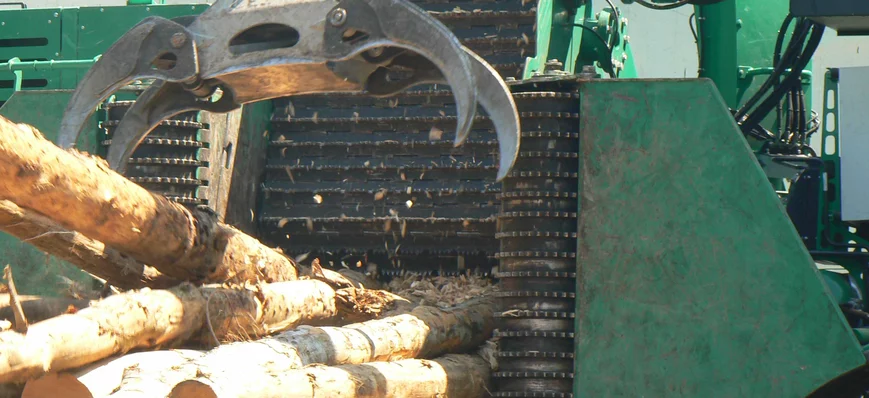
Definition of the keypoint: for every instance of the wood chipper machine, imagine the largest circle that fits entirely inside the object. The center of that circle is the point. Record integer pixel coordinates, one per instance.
(650, 237)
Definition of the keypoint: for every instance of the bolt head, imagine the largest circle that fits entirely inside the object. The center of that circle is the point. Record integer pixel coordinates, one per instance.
(178, 39)
(338, 16)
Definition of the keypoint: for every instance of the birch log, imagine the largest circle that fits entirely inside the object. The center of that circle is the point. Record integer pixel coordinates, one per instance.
(83, 194)
(152, 318)
(87, 254)
(451, 376)
(425, 332)
(102, 378)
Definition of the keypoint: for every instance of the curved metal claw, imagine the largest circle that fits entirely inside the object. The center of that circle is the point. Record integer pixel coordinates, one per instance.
(493, 94)
(159, 102)
(408, 26)
(496, 99)
(139, 54)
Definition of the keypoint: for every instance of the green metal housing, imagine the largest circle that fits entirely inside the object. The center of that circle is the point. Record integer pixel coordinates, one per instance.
(693, 279)
(693, 282)
(67, 34)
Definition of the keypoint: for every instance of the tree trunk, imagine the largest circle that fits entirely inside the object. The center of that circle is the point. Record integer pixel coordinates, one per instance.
(87, 254)
(425, 332)
(110, 326)
(459, 376)
(103, 377)
(81, 193)
(150, 318)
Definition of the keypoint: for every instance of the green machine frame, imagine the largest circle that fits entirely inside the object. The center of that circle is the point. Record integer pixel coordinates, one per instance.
(708, 290)
(737, 306)
(43, 54)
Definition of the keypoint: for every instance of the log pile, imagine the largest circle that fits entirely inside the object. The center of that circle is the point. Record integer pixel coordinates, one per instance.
(196, 308)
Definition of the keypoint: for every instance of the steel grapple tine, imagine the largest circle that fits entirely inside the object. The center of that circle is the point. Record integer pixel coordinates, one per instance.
(156, 48)
(410, 27)
(497, 100)
(492, 93)
(159, 102)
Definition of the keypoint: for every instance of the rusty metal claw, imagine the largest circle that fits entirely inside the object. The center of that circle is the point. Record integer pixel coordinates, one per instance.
(159, 102)
(276, 48)
(153, 49)
(492, 93)
(496, 99)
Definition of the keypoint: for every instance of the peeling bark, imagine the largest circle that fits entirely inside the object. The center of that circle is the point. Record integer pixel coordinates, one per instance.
(87, 254)
(425, 332)
(114, 325)
(360, 280)
(102, 378)
(82, 193)
(458, 376)
(152, 318)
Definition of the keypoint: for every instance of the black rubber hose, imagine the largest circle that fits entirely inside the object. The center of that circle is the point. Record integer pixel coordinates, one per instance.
(793, 77)
(791, 53)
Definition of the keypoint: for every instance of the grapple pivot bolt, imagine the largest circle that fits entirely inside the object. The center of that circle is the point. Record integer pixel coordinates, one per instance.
(338, 16)
(178, 40)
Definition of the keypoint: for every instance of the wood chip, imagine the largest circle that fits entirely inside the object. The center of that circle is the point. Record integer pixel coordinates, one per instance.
(441, 291)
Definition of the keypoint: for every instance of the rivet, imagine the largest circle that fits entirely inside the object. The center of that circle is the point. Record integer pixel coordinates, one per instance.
(338, 16)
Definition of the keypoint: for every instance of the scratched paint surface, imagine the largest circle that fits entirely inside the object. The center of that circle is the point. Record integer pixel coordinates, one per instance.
(693, 282)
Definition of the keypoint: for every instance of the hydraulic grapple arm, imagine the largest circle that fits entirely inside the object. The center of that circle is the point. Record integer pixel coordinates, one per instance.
(259, 50)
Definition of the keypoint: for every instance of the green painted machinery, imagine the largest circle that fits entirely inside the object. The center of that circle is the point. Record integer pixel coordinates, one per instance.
(657, 237)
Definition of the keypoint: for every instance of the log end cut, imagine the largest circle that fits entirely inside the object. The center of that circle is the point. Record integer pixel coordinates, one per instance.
(191, 389)
(56, 385)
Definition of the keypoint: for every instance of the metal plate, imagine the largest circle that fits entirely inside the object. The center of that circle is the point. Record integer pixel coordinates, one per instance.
(853, 145)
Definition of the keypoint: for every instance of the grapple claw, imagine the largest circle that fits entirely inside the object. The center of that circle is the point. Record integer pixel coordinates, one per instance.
(156, 48)
(159, 102)
(493, 94)
(405, 25)
(257, 51)
(496, 99)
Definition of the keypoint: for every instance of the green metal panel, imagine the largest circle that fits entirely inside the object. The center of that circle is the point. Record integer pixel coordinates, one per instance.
(693, 281)
(718, 48)
(568, 32)
(68, 34)
(97, 28)
(30, 35)
(758, 23)
(36, 272)
(39, 108)
(558, 34)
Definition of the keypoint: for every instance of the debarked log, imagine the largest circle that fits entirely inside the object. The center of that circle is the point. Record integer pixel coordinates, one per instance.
(147, 318)
(81, 193)
(450, 376)
(423, 333)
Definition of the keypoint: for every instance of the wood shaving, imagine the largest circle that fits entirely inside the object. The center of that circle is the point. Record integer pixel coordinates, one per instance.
(489, 352)
(440, 291)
